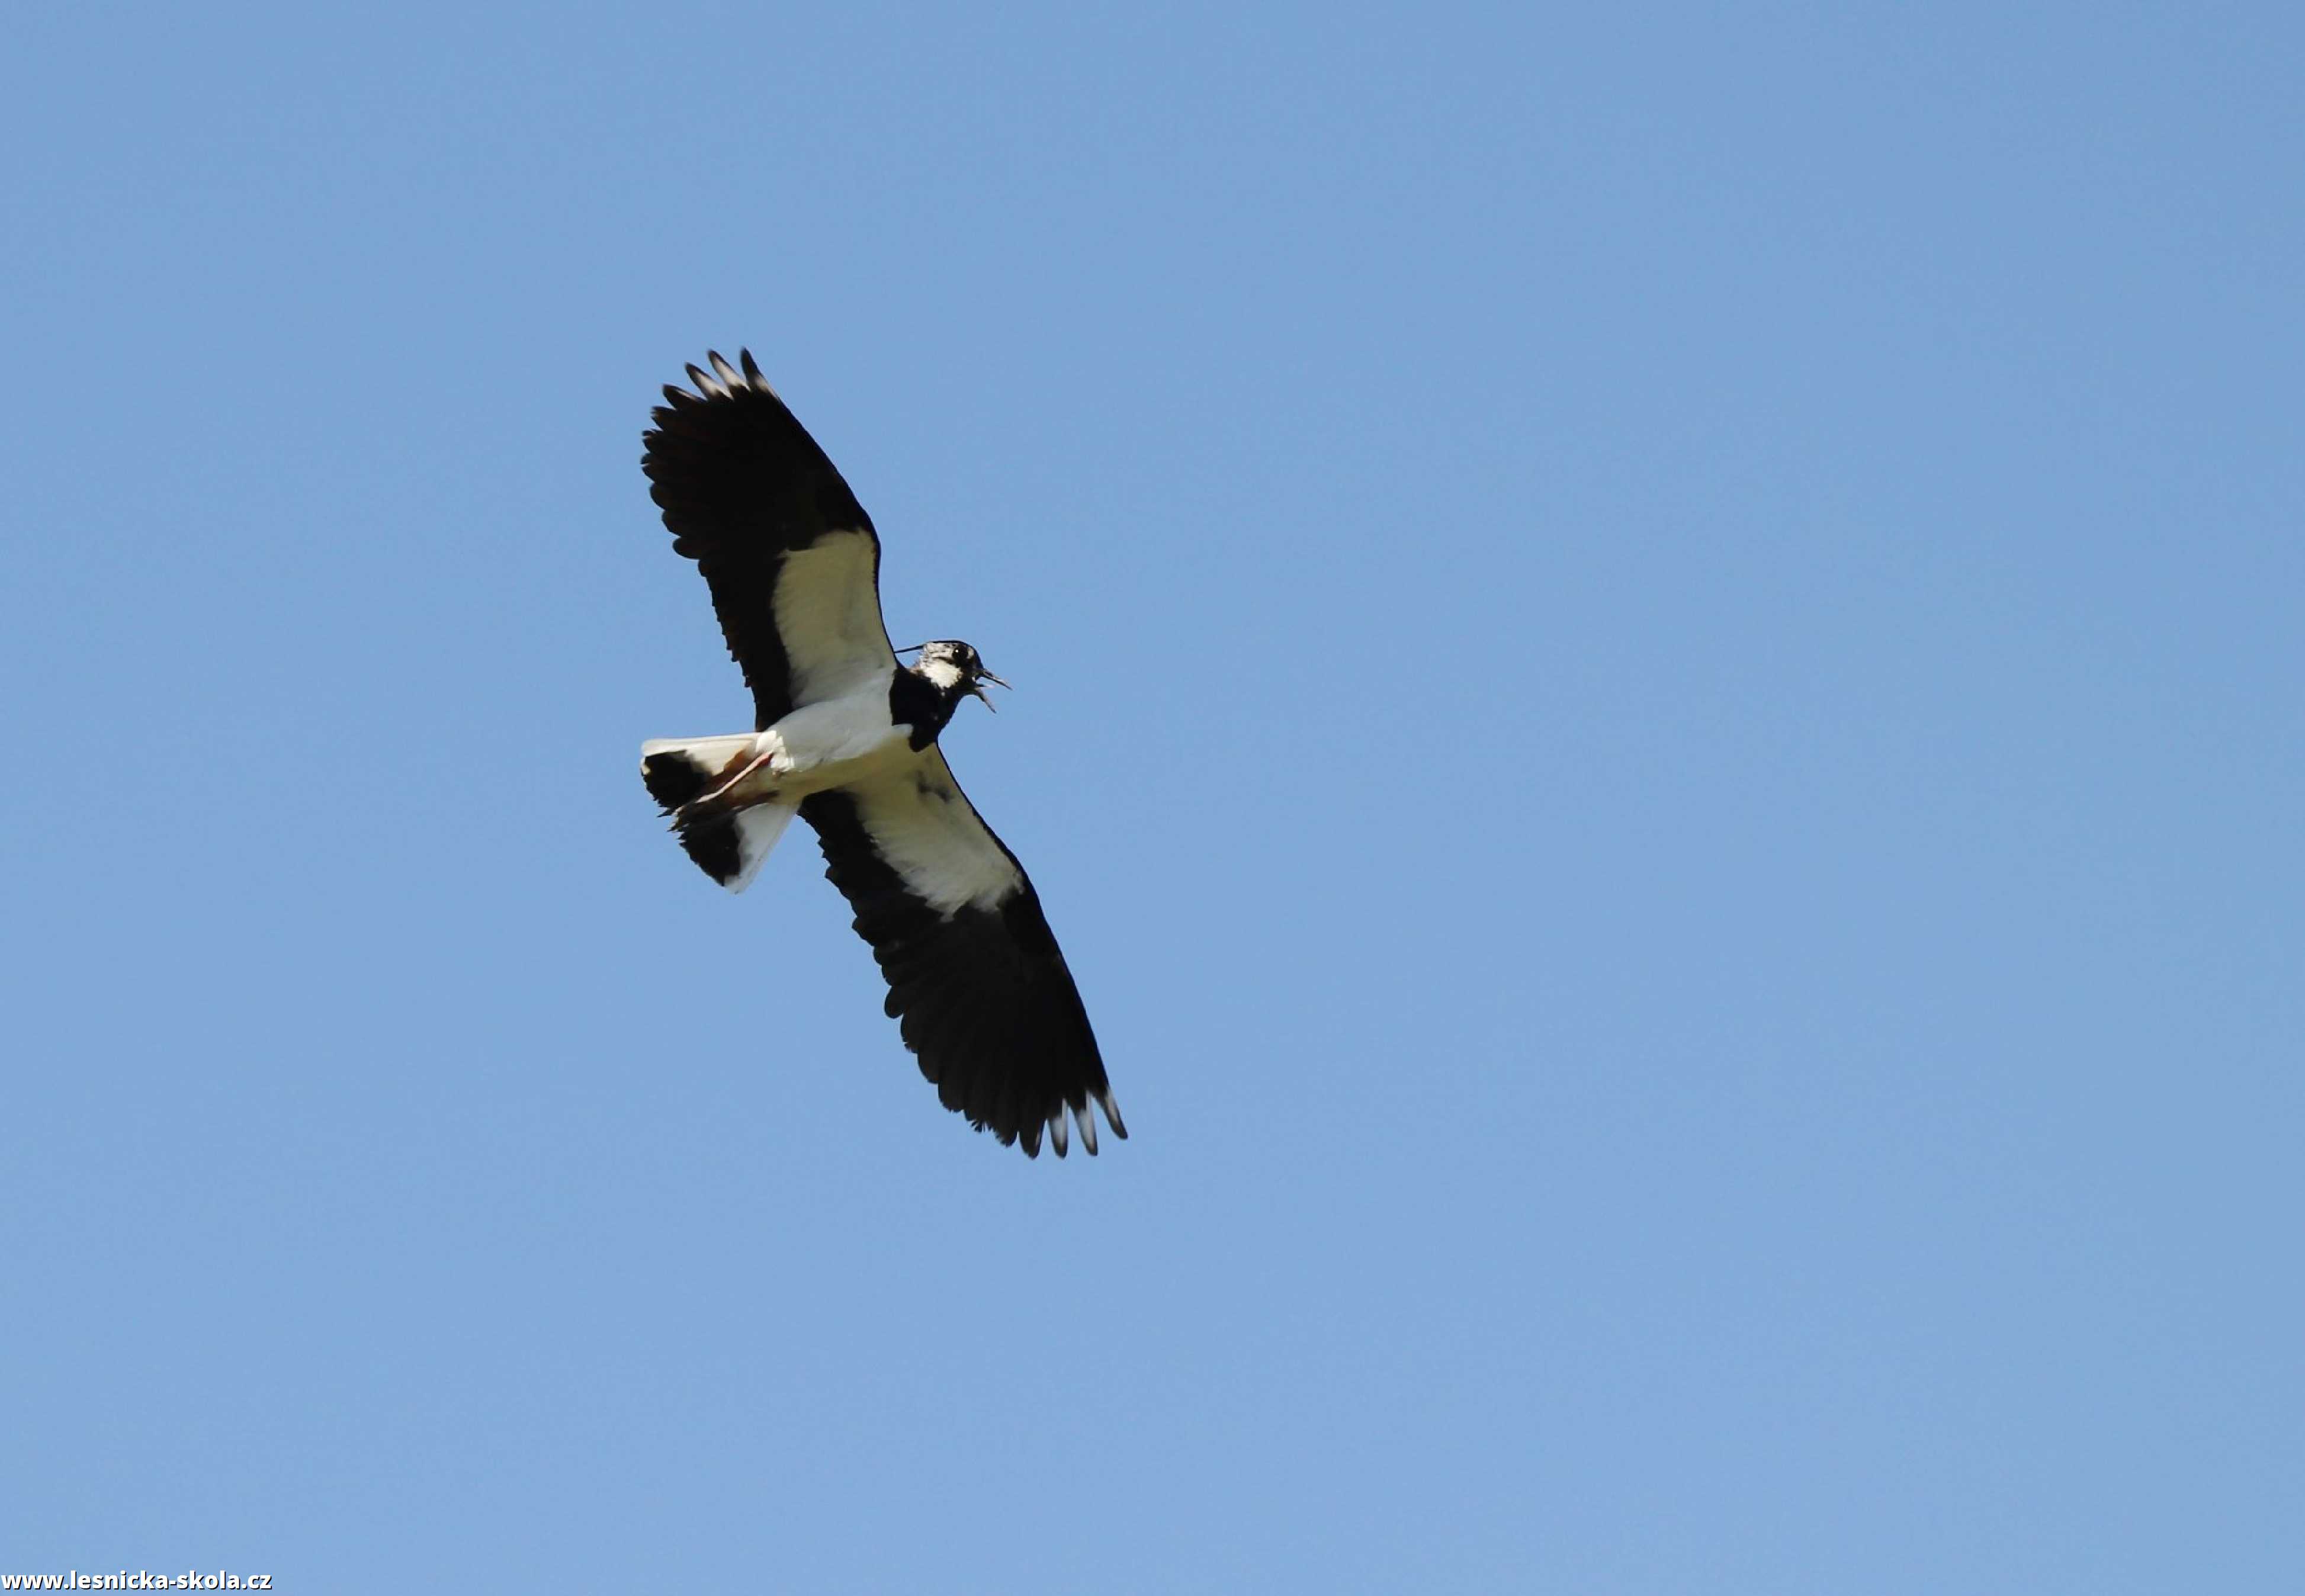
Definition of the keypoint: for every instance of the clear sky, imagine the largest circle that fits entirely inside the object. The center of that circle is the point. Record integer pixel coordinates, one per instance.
(1658, 698)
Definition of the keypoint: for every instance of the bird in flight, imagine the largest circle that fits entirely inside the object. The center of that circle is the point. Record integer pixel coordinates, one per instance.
(845, 735)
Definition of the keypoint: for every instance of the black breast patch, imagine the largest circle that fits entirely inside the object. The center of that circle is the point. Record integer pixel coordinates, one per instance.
(920, 703)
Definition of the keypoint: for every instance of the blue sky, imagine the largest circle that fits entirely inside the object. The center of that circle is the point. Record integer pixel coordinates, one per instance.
(1657, 699)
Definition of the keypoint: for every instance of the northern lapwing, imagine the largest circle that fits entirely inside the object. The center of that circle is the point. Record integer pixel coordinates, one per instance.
(845, 735)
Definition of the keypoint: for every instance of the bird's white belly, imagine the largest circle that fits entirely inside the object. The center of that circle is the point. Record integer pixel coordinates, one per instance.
(829, 744)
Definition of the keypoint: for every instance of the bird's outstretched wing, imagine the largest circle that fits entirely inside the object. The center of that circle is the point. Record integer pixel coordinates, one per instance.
(973, 974)
(790, 555)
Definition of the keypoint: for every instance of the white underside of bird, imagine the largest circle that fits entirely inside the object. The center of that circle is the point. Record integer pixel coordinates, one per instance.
(851, 742)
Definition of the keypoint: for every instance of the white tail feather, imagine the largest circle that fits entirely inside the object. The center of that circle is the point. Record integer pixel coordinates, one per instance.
(711, 753)
(757, 830)
(729, 847)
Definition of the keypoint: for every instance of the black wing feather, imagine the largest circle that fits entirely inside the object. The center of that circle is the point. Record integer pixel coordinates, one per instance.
(983, 994)
(742, 484)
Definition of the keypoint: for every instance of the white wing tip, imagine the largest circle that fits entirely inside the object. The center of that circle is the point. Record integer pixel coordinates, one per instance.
(1112, 1114)
(725, 381)
(1069, 1115)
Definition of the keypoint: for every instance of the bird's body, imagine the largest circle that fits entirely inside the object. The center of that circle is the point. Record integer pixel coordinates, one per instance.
(826, 744)
(846, 736)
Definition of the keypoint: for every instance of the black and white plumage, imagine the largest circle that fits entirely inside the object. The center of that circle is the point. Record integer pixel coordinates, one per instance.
(846, 736)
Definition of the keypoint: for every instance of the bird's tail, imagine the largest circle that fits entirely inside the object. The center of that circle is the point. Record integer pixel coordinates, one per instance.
(727, 844)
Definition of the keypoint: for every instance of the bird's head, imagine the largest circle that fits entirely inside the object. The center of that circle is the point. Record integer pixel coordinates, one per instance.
(953, 665)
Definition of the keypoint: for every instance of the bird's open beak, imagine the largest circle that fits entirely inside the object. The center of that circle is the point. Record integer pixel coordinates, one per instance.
(977, 687)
